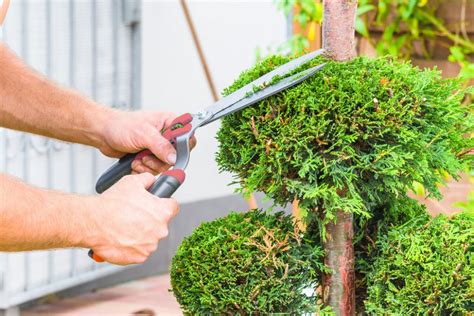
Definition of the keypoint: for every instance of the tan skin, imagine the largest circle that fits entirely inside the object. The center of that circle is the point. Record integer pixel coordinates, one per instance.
(124, 224)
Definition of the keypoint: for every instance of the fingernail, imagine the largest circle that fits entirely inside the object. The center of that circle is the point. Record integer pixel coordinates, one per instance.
(171, 159)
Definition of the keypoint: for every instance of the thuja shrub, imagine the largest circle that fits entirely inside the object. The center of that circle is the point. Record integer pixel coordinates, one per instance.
(424, 267)
(368, 230)
(247, 263)
(350, 137)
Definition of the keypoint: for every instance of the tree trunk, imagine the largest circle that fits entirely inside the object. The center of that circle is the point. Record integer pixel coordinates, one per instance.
(339, 29)
(338, 288)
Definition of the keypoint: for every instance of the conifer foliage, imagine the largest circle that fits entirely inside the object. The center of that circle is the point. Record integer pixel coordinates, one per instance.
(367, 128)
(354, 137)
(424, 267)
(246, 264)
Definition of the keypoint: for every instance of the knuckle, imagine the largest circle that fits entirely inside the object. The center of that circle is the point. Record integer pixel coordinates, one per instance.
(140, 258)
(172, 204)
(153, 248)
(128, 178)
(164, 146)
(169, 208)
(163, 233)
(153, 163)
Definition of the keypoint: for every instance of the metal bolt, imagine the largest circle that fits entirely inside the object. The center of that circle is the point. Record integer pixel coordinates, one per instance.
(201, 115)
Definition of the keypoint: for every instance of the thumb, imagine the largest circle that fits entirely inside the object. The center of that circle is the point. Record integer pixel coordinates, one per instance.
(160, 147)
(145, 179)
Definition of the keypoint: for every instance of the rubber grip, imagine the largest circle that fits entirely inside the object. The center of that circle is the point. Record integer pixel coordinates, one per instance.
(164, 187)
(167, 183)
(118, 170)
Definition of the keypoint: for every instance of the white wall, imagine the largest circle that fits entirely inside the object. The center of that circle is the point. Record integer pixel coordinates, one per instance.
(173, 79)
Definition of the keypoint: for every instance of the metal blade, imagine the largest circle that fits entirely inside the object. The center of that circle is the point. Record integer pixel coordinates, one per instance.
(243, 92)
(266, 92)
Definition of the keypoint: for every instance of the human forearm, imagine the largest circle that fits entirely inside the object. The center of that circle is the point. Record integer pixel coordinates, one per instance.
(32, 218)
(123, 225)
(31, 103)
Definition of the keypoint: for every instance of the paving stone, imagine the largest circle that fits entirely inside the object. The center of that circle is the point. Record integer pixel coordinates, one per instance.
(146, 297)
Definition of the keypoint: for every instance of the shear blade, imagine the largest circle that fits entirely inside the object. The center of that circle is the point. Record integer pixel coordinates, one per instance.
(267, 92)
(242, 93)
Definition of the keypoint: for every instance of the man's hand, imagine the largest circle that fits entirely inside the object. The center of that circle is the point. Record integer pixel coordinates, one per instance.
(128, 221)
(123, 225)
(52, 111)
(130, 132)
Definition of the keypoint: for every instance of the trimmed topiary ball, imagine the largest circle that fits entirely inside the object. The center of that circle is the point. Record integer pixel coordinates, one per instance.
(350, 137)
(247, 263)
(424, 267)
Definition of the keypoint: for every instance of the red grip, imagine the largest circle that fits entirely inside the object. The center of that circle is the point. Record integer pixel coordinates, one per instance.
(178, 127)
(179, 174)
(95, 257)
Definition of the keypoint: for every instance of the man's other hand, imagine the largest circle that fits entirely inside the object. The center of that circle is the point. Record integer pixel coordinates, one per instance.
(127, 221)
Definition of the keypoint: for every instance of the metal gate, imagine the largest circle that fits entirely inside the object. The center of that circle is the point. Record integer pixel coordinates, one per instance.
(92, 46)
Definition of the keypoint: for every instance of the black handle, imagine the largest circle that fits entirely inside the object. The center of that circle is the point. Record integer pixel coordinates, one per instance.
(118, 170)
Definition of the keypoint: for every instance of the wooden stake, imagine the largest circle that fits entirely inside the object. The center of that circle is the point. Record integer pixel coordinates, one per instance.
(338, 288)
(251, 201)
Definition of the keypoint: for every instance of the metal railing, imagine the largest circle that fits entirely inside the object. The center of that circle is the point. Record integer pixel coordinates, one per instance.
(90, 45)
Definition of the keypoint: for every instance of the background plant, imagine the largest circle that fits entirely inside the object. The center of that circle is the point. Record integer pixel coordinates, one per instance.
(247, 263)
(308, 14)
(408, 23)
(425, 266)
(409, 27)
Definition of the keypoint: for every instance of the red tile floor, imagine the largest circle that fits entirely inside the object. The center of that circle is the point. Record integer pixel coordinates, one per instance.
(151, 296)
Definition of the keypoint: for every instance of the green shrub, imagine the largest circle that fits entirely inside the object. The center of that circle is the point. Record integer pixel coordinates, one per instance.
(424, 267)
(247, 263)
(367, 231)
(350, 137)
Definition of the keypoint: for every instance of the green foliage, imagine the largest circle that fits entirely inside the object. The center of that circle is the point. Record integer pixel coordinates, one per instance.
(307, 13)
(405, 24)
(367, 231)
(425, 267)
(351, 137)
(247, 263)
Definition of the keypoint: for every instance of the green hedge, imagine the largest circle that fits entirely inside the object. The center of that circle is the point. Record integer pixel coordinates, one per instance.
(246, 263)
(367, 127)
(424, 267)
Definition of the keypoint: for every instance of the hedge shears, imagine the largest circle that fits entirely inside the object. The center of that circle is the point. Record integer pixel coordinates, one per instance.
(183, 127)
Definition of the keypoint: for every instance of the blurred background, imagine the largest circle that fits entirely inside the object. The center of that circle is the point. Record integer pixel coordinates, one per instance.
(177, 56)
